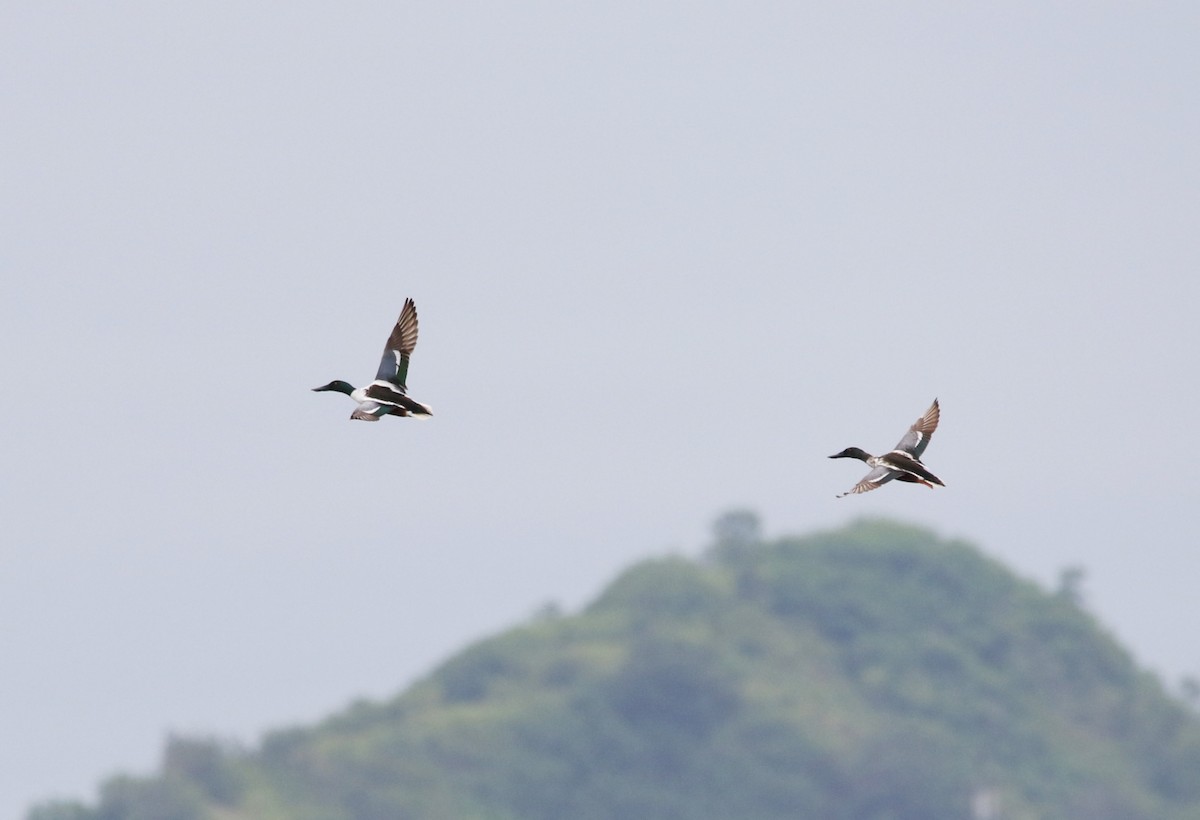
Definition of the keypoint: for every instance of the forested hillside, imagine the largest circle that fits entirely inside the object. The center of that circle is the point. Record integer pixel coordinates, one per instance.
(871, 673)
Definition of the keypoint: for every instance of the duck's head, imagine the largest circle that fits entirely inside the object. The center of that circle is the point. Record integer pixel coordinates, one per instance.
(337, 385)
(852, 452)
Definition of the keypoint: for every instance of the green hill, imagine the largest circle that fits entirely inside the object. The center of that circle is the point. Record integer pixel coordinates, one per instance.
(872, 673)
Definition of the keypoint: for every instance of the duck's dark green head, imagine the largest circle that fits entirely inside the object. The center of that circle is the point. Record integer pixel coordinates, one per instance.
(852, 452)
(338, 385)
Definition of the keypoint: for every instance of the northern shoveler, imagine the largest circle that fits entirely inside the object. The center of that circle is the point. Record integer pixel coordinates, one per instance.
(387, 395)
(904, 462)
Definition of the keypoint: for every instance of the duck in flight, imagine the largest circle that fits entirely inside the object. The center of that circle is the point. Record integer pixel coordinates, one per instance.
(388, 395)
(904, 462)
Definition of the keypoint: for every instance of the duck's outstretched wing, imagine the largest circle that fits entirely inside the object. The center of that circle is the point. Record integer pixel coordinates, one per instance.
(367, 411)
(917, 438)
(393, 365)
(876, 478)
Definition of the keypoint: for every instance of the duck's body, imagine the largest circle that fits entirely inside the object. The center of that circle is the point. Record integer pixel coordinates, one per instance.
(387, 395)
(903, 463)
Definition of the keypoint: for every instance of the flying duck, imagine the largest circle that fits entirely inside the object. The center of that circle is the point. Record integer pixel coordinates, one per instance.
(387, 395)
(902, 463)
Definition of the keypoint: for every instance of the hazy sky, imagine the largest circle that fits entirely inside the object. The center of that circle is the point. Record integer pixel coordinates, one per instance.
(667, 258)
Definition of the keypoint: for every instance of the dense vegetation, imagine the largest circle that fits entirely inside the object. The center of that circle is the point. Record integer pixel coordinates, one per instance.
(873, 673)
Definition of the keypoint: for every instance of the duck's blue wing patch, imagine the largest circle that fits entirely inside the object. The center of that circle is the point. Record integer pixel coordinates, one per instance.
(393, 367)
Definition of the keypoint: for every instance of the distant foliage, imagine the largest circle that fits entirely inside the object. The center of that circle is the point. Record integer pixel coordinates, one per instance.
(209, 765)
(1070, 584)
(161, 798)
(673, 688)
(61, 810)
(735, 534)
(665, 588)
(876, 672)
(467, 677)
(911, 773)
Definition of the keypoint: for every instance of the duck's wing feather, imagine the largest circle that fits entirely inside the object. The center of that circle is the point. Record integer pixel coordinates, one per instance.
(394, 398)
(917, 438)
(367, 411)
(393, 365)
(876, 478)
(903, 463)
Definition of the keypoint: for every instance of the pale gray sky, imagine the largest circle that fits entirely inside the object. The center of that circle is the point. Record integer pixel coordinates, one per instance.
(667, 259)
